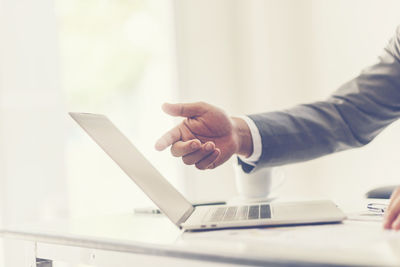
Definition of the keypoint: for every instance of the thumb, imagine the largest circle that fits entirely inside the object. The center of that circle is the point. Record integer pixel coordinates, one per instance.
(185, 109)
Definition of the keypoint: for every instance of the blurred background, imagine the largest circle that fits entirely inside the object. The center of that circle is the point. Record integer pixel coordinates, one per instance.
(125, 58)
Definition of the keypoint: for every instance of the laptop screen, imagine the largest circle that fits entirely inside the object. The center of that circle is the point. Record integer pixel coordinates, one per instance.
(134, 164)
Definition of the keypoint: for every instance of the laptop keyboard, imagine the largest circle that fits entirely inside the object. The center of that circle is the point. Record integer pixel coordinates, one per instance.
(239, 213)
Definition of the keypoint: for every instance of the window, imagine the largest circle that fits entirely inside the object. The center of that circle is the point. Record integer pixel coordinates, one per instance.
(117, 58)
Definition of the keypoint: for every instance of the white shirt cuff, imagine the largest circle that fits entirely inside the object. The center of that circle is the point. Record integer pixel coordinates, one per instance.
(257, 144)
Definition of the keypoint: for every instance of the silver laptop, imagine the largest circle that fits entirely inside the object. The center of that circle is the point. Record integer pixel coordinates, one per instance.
(178, 209)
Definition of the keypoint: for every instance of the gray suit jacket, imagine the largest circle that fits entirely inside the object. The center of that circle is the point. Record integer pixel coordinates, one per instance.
(357, 112)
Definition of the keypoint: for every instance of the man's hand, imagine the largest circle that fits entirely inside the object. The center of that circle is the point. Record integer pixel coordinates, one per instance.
(207, 137)
(392, 214)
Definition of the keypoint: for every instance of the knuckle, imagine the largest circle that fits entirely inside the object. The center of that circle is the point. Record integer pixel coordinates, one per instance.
(187, 161)
(202, 104)
(174, 151)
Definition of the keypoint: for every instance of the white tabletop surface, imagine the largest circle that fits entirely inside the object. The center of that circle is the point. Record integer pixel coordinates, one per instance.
(360, 240)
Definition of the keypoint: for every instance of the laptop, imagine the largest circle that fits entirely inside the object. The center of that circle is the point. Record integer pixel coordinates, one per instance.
(178, 209)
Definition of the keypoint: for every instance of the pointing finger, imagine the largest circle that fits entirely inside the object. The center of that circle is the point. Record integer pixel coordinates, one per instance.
(185, 109)
(392, 213)
(394, 200)
(168, 139)
(396, 223)
(395, 194)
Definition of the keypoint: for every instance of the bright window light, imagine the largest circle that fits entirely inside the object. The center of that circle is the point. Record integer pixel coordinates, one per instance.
(117, 58)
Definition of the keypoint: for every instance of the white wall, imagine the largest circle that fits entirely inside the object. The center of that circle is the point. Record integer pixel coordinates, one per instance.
(348, 36)
(205, 32)
(254, 56)
(244, 55)
(310, 48)
(31, 108)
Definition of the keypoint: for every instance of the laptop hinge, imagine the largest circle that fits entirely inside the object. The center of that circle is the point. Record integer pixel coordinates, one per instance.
(185, 216)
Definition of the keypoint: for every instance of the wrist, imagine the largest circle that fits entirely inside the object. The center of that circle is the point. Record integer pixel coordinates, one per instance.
(243, 136)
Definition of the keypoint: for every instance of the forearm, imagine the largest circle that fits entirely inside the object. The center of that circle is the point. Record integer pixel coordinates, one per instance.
(303, 133)
(352, 117)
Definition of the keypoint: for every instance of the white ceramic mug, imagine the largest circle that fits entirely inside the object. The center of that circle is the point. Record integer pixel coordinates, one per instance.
(257, 186)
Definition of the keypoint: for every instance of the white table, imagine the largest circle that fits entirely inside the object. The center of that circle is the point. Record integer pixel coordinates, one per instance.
(152, 240)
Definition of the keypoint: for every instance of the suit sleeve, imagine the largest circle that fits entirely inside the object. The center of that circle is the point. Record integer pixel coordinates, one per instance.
(357, 112)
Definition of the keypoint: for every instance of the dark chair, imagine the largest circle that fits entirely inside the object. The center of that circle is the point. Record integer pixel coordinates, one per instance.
(381, 192)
